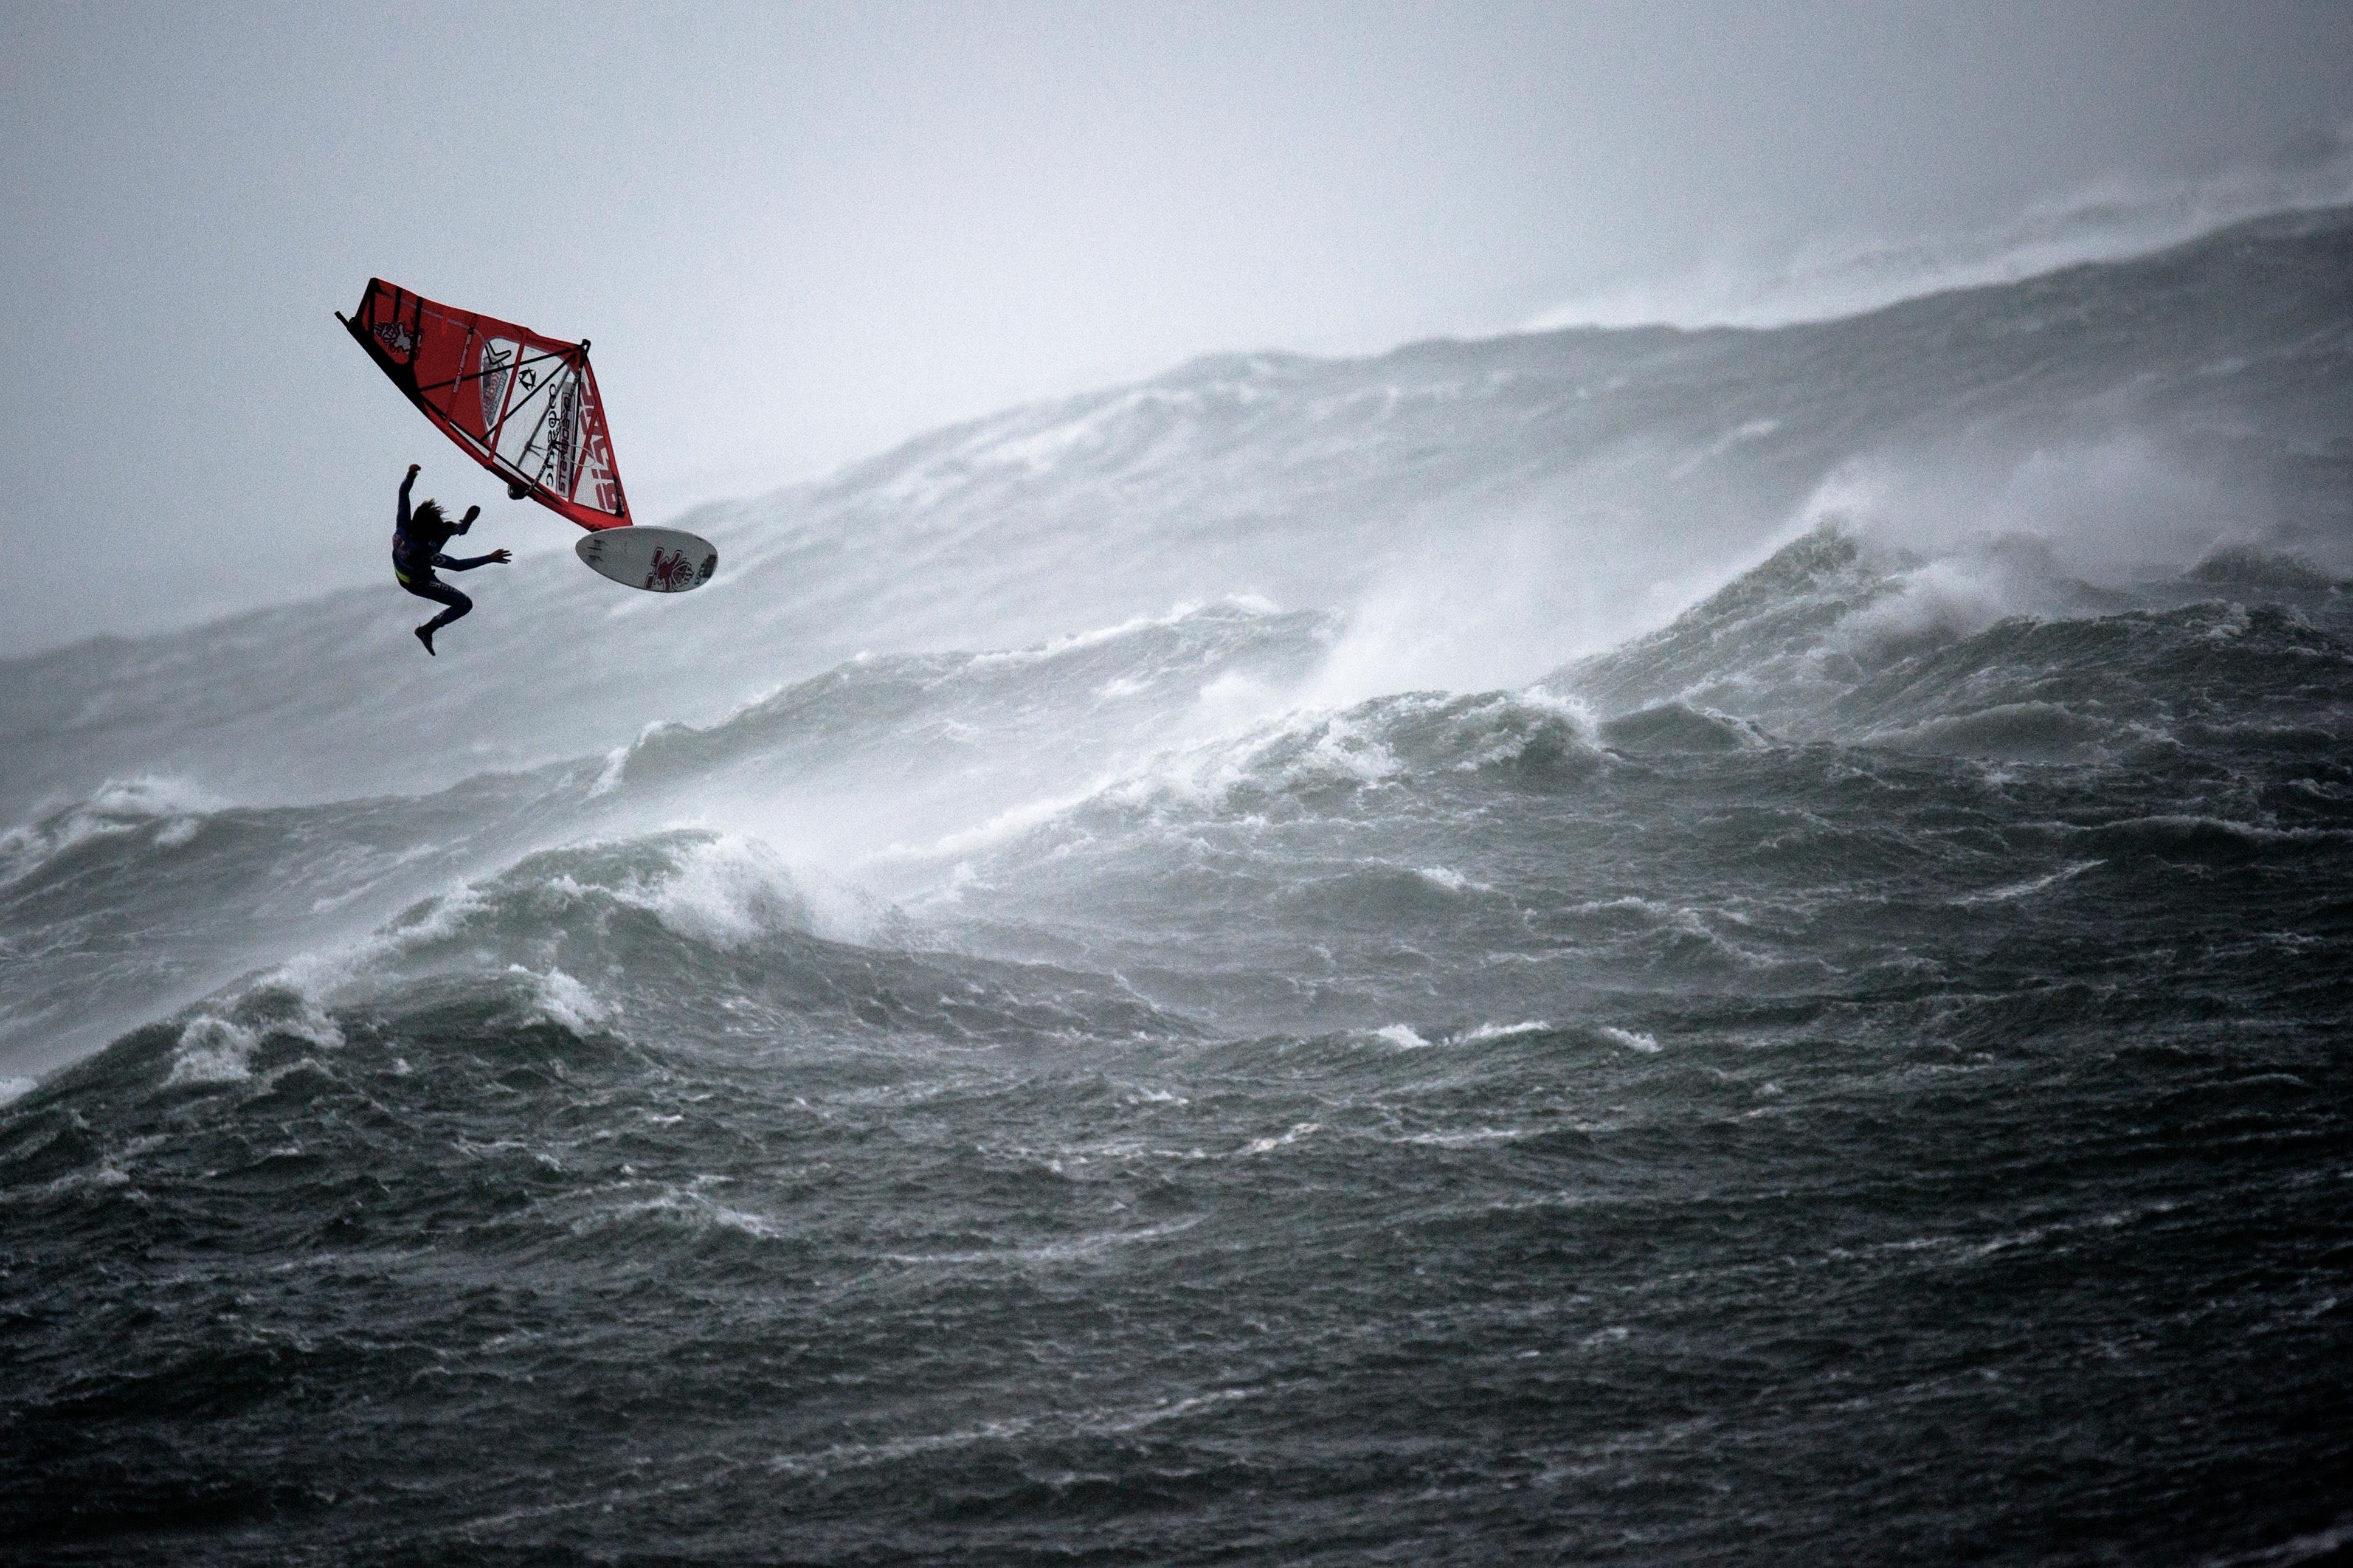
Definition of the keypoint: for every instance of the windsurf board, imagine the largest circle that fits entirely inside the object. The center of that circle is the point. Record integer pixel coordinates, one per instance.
(658, 559)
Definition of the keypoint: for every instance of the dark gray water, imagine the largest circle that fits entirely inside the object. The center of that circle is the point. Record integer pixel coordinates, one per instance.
(1858, 1074)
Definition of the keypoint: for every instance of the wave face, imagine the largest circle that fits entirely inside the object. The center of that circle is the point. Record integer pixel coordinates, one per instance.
(1845, 1060)
(1484, 510)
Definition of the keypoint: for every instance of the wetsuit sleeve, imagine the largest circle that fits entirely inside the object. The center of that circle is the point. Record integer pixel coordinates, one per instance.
(403, 524)
(452, 564)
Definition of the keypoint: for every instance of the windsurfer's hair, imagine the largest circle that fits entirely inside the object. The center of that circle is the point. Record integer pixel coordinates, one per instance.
(429, 516)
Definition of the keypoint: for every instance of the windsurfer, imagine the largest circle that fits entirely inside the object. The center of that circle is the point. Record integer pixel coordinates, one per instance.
(417, 542)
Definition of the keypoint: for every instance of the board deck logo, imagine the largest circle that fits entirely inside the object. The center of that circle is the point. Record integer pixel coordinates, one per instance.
(669, 574)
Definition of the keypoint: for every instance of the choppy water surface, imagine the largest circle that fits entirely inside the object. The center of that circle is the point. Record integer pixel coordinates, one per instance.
(1859, 1073)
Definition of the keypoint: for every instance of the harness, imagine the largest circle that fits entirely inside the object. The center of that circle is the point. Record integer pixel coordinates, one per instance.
(410, 562)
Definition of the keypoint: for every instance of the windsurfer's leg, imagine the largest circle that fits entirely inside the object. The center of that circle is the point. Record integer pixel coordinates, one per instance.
(441, 592)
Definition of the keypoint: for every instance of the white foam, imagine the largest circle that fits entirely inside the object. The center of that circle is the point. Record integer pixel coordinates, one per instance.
(1500, 1031)
(728, 891)
(211, 1050)
(1345, 748)
(686, 1207)
(1481, 603)
(1943, 600)
(616, 766)
(2234, 624)
(118, 806)
(1250, 738)
(1249, 604)
(1290, 1135)
(1298, 746)
(2009, 532)
(1629, 1039)
(103, 1178)
(1468, 1139)
(309, 1022)
(1234, 703)
(1072, 1248)
(1402, 1036)
(320, 975)
(565, 1001)
(151, 795)
(1543, 698)
(1010, 823)
(2002, 895)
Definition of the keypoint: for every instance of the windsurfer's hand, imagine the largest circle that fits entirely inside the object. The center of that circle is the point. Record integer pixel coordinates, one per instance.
(416, 469)
(501, 557)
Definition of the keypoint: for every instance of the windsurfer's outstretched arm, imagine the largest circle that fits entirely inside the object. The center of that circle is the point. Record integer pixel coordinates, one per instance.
(452, 564)
(411, 480)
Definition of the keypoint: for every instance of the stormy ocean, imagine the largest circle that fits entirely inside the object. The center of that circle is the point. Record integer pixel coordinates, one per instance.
(1628, 945)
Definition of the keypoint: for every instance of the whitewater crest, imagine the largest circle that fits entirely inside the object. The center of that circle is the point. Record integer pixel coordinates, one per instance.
(1992, 651)
(168, 812)
(1308, 751)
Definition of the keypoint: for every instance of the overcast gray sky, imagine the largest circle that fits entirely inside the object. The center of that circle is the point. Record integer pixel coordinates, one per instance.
(799, 233)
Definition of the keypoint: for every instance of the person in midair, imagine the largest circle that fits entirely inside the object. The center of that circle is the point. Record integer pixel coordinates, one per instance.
(417, 542)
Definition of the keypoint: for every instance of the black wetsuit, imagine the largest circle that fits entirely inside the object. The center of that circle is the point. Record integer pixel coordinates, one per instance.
(416, 551)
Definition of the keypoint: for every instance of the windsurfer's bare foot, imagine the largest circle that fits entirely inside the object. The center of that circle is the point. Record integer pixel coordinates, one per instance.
(425, 636)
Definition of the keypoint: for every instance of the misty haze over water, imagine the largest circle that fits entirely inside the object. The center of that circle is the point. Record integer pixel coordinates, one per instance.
(1613, 943)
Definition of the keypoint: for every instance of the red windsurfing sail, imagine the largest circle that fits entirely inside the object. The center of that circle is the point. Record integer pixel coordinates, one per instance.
(521, 404)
